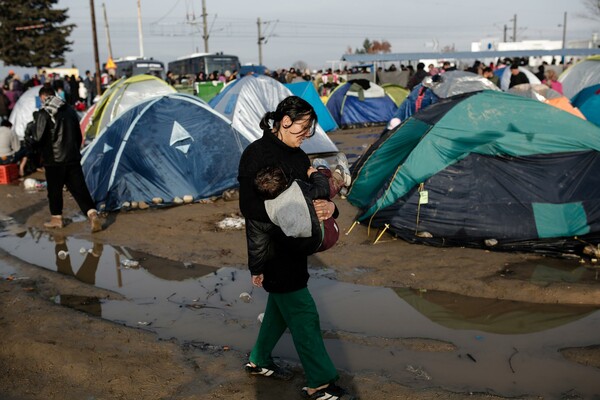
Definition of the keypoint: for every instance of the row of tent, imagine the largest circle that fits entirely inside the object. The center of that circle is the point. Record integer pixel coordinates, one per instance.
(470, 165)
(128, 132)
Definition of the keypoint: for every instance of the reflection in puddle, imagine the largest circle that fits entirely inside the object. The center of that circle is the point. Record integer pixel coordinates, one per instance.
(551, 271)
(491, 315)
(421, 339)
(90, 305)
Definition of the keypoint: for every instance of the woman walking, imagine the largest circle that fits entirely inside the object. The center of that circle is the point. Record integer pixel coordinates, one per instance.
(285, 273)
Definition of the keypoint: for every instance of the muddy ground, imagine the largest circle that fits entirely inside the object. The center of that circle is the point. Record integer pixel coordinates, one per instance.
(51, 352)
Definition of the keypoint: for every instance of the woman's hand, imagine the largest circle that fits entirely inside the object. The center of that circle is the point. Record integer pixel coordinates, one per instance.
(324, 209)
(257, 280)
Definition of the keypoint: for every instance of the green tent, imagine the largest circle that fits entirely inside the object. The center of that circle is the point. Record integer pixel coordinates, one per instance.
(121, 95)
(484, 165)
(396, 92)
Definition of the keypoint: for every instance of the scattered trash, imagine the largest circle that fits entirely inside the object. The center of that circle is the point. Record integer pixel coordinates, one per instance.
(33, 184)
(424, 234)
(126, 204)
(592, 250)
(419, 372)
(260, 317)
(506, 271)
(127, 263)
(490, 242)
(510, 359)
(210, 200)
(82, 250)
(231, 194)
(479, 337)
(232, 223)
(144, 323)
(226, 348)
(62, 254)
(471, 357)
(245, 296)
(188, 264)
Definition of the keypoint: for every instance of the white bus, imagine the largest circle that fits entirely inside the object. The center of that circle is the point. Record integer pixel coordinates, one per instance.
(193, 64)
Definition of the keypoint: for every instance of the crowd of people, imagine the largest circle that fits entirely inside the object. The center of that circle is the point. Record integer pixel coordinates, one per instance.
(326, 80)
(79, 92)
(52, 140)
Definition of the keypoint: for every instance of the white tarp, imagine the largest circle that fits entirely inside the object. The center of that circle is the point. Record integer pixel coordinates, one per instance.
(579, 76)
(22, 112)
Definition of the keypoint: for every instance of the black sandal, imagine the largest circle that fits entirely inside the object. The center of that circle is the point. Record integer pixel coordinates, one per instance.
(272, 371)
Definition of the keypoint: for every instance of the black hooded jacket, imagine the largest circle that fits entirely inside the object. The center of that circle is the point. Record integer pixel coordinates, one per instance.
(58, 138)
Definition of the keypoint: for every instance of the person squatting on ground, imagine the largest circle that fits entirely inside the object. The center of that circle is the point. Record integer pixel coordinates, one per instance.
(284, 274)
(289, 205)
(11, 151)
(58, 135)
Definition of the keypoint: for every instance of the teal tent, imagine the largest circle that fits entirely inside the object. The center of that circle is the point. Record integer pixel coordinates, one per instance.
(485, 169)
(588, 102)
(307, 91)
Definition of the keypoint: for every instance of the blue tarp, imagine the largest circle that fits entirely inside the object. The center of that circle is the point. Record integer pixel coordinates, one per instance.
(165, 147)
(307, 91)
(367, 105)
(409, 106)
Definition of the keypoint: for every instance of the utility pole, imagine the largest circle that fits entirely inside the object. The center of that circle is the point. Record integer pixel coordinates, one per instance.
(505, 30)
(110, 55)
(205, 35)
(96, 56)
(564, 40)
(139, 10)
(515, 28)
(260, 40)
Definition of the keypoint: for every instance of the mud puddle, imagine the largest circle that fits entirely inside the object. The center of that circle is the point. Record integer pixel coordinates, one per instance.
(417, 338)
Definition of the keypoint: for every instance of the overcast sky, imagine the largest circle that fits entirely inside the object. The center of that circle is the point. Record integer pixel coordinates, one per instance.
(313, 31)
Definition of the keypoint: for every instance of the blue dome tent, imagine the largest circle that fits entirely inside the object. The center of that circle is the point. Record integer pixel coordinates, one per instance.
(166, 147)
(360, 103)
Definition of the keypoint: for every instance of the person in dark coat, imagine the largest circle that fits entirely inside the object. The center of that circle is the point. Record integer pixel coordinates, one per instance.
(418, 77)
(517, 77)
(285, 274)
(58, 135)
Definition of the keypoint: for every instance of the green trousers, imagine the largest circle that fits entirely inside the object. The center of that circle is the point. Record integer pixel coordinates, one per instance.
(298, 312)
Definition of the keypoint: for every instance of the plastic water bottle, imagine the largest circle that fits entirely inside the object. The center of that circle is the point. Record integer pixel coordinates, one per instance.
(127, 263)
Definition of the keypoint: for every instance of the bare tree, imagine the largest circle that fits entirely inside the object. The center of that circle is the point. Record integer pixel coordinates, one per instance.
(593, 9)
